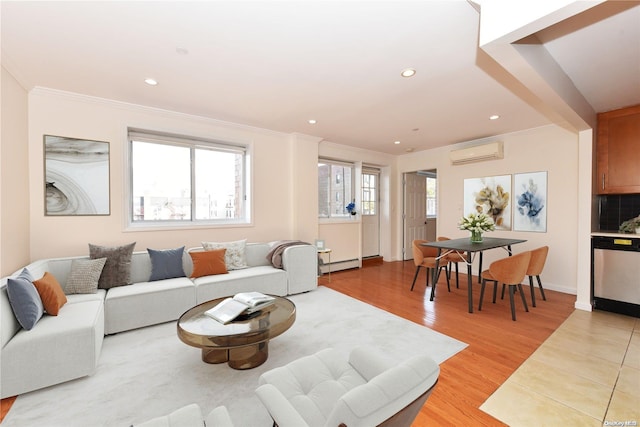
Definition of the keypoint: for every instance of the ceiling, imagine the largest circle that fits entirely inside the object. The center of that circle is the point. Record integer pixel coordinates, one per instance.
(277, 64)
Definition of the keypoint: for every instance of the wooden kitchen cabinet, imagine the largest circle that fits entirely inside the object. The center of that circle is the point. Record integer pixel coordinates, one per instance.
(618, 151)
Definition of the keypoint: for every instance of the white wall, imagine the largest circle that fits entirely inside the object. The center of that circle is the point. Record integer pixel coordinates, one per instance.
(274, 164)
(14, 167)
(550, 148)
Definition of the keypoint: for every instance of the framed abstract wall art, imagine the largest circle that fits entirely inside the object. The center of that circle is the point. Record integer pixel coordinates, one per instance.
(76, 176)
(530, 201)
(489, 195)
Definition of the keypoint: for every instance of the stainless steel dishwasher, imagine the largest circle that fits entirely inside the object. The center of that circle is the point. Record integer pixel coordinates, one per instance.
(615, 274)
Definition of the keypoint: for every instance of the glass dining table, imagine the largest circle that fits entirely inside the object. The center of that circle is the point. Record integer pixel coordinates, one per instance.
(467, 251)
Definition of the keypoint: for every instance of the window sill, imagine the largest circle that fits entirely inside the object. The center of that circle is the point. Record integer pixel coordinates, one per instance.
(163, 226)
(326, 221)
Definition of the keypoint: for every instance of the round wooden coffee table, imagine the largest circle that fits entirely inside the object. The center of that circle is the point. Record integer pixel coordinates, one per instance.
(242, 343)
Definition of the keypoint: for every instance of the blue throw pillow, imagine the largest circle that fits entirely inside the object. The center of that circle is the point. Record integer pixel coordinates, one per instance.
(26, 274)
(166, 264)
(25, 300)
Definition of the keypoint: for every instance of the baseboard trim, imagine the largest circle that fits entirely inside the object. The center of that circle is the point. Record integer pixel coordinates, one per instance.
(340, 265)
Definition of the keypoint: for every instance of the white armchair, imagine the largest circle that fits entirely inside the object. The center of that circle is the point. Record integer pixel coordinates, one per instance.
(368, 390)
(191, 416)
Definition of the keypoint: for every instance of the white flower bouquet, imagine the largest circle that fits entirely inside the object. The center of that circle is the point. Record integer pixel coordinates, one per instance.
(476, 222)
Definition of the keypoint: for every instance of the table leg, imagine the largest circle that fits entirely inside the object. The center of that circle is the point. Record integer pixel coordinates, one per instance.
(435, 275)
(215, 355)
(480, 269)
(249, 356)
(470, 282)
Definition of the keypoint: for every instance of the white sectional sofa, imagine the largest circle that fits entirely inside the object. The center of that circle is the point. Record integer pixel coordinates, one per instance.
(67, 346)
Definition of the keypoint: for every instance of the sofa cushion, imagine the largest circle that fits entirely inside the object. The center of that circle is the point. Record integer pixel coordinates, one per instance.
(84, 276)
(235, 258)
(51, 293)
(208, 263)
(166, 264)
(147, 303)
(25, 301)
(58, 349)
(117, 269)
(264, 279)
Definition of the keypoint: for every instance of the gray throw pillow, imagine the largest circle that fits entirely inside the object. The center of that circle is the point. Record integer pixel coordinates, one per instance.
(166, 263)
(26, 274)
(84, 276)
(117, 269)
(24, 300)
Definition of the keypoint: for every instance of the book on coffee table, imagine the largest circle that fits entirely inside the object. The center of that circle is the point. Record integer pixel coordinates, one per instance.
(240, 304)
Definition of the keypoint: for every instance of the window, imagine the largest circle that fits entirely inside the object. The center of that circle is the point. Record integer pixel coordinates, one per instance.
(180, 181)
(335, 188)
(369, 193)
(431, 197)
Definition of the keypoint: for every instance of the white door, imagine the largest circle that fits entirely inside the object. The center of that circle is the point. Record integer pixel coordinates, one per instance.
(370, 213)
(415, 211)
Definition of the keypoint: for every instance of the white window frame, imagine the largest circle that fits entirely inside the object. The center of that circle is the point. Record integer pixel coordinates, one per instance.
(192, 143)
(433, 199)
(376, 191)
(344, 215)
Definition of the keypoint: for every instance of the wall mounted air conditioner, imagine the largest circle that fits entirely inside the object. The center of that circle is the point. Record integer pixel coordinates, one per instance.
(477, 153)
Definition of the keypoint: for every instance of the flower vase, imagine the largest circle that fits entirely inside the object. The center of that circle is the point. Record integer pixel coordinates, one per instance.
(476, 236)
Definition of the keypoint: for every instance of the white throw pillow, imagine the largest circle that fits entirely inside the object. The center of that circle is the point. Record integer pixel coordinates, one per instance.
(234, 258)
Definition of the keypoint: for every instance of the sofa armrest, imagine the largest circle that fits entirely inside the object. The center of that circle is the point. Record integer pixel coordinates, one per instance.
(301, 264)
(187, 416)
(386, 394)
(369, 362)
(280, 409)
(218, 417)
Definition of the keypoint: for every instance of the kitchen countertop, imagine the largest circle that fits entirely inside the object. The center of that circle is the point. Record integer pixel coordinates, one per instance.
(614, 234)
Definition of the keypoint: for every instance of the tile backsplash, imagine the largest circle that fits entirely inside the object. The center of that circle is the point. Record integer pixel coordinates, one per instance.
(615, 209)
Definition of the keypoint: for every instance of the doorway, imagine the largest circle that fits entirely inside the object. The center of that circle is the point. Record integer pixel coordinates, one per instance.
(420, 207)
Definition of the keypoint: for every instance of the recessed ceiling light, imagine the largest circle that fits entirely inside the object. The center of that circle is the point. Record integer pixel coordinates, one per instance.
(397, 142)
(150, 82)
(494, 117)
(312, 121)
(408, 72)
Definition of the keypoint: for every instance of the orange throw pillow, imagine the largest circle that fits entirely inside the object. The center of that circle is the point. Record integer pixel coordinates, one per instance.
(207, 263)
(51, 293)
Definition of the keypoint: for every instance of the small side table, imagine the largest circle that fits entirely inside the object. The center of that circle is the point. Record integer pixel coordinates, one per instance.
(327, 251)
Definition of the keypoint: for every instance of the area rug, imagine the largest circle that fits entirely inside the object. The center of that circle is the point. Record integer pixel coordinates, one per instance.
(149, 372)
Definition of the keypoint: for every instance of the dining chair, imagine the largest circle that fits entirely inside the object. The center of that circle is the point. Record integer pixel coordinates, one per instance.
(452, 258)
(424, 256)
(509, 271)
(536, 265)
